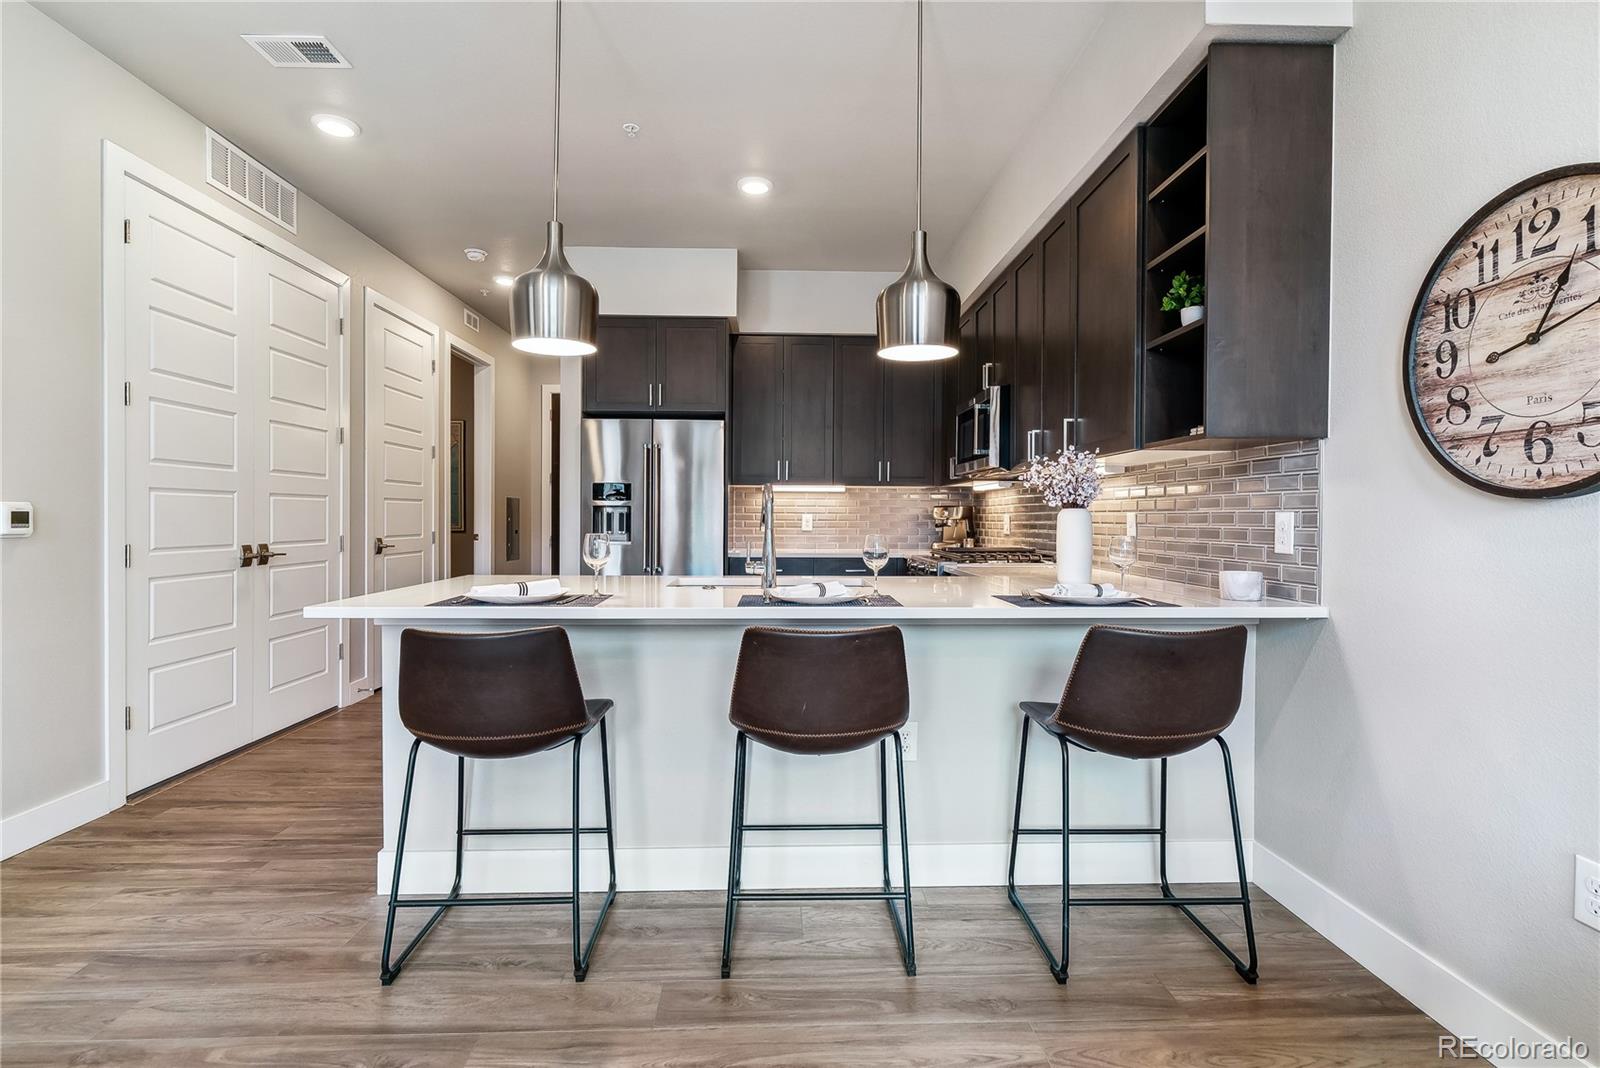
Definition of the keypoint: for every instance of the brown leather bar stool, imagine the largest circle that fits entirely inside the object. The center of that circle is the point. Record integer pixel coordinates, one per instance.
(1143, 695)
(489, 697)
(817, 693)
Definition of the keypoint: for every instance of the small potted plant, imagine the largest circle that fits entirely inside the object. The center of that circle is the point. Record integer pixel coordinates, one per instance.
(1186, 296)
(1069, 482)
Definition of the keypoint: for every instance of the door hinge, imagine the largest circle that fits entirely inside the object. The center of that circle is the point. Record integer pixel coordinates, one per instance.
(341, 435)
(127, 717)
(433, 366)
(127, 556)
(127, 231)
(341, 650)
(127, 394)
(433, 537)
(341, 326)
(433, 452)
(341, 543)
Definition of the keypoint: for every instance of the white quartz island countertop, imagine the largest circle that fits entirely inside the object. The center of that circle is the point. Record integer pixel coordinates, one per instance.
(923, 599)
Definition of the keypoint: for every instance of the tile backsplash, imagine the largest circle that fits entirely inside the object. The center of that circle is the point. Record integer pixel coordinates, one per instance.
(903, 515)
(1195, 517)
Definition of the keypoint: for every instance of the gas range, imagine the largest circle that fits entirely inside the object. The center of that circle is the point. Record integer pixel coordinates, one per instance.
(933, 563)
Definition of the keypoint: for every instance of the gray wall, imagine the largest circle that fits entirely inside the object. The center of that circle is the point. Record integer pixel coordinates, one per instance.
(1431, 752)
(60, 99)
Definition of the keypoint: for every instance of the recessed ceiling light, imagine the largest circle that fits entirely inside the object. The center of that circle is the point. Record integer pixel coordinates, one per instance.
(336, 125)
(476, 255)
(755, 186)
(503, 279)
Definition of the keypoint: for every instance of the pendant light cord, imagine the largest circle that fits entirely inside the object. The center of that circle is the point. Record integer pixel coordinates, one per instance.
(555, 170)
(919, 114)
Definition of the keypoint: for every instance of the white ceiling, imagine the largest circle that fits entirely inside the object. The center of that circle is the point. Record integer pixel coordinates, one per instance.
(454, 102)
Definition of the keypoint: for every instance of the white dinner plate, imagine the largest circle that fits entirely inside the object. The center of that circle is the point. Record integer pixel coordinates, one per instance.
(537, 598)
(1048, 594)
(838, 598)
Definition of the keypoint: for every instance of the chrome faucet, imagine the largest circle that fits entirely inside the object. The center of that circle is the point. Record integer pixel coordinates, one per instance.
(769, 560)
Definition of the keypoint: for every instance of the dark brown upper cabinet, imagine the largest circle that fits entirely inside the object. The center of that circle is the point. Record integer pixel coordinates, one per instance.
(1105, 241)
(1058, 370)
(755, 412)
(660, 366)
(1029, 436)
(780, 419)
(1238, 175)
(884, 418)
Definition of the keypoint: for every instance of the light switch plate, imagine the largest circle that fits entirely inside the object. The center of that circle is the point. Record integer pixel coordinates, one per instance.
(1133, 524)
(807, 521)
(1586, 892)
(1283, 532)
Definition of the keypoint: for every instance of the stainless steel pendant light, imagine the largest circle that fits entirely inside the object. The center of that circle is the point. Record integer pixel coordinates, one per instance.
(917, 312)
(554, 310)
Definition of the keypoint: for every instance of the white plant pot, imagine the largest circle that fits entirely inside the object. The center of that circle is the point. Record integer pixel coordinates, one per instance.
(1192, 314)
(1074, 545)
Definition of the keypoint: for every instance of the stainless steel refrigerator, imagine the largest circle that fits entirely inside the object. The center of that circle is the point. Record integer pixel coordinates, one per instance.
(656, 486)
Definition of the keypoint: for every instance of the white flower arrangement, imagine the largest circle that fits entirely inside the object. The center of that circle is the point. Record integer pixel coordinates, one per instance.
(1070, 480)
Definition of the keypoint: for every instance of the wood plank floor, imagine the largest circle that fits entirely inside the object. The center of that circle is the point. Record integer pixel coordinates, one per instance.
(230, 919)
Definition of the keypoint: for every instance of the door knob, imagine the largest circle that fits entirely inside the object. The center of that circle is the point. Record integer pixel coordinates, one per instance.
(247, 555)
(264, 553)
(378, 545)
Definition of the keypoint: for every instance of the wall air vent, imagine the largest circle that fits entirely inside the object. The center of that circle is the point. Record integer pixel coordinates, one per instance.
(248, 182)
(296, 50)
(470, 317)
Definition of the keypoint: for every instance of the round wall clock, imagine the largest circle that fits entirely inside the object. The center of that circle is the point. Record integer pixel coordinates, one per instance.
(1502, 360)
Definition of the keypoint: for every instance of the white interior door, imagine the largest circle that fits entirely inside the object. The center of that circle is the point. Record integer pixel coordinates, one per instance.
(189, 313)
(297, 483)
(401, 415)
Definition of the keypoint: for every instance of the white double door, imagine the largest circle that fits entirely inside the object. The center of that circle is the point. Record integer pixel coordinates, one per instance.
(233, 402)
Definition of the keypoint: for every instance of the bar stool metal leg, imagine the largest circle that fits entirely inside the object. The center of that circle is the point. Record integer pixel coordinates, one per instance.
(1058, 965)
(580, 959)
(735, 844)
(907, 937)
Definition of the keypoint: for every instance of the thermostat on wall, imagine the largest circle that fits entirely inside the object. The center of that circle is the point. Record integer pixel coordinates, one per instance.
(18, 519)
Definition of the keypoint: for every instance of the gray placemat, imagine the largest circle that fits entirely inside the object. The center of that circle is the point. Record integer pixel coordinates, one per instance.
(571, 600)
(1032, 602)
(878, 600)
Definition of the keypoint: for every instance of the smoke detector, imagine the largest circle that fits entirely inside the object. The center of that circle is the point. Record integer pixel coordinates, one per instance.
(296, 50)
(476, 255)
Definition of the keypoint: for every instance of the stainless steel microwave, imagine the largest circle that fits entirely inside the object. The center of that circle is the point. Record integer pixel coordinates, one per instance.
(983, 434)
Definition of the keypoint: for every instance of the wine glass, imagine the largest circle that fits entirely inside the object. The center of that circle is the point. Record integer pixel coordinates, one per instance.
(875, 554)
(1124, 551)
(596, 551)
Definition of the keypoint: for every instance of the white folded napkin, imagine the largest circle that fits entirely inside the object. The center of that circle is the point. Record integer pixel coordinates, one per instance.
(817, 590)
(533, 588)
(1085, 590)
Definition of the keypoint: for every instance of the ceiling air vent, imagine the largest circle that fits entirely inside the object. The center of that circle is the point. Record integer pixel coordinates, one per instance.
(470, 317)
(248, 182)
(296, 50)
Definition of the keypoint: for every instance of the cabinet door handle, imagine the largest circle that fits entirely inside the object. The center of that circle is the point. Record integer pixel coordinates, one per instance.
(880, 470)
(661, 393)
(888, 470)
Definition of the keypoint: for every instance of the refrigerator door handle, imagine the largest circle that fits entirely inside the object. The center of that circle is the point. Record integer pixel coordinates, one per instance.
(655, 505)
(649, 495)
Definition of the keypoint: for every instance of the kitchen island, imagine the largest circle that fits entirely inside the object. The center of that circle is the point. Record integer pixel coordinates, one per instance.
(664, 650)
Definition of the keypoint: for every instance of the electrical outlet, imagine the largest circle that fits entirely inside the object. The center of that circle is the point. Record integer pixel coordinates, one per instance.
(807, 521)
(1586, 892)
(1283, 532)
(1133, 524)
(1005, 524)
(908, 741)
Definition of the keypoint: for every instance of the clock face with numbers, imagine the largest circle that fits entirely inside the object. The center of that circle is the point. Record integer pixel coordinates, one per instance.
(1502, 362)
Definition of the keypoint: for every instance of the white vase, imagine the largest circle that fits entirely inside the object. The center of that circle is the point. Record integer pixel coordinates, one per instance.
(1191, 314)
(1074, 545)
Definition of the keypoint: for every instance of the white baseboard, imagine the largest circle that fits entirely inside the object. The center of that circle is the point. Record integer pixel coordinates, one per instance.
(1448, 997)
(43, 822)
(793, 867)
